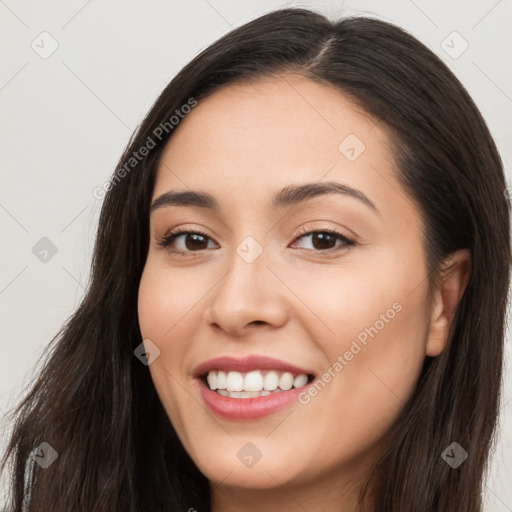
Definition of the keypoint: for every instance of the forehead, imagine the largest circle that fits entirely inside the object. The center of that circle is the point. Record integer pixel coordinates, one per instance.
(266, 134)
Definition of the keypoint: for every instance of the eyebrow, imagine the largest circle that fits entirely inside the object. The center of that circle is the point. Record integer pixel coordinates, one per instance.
(290, 195)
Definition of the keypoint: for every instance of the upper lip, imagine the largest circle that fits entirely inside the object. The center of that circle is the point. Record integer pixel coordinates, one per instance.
(247, 364)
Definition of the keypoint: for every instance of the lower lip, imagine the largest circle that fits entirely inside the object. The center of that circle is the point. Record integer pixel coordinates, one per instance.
(247, 408)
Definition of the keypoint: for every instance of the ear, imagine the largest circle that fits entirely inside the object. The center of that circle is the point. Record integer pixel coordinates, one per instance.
(453, 279)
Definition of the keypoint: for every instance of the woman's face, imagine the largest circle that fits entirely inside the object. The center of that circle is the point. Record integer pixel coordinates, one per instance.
(265, 279)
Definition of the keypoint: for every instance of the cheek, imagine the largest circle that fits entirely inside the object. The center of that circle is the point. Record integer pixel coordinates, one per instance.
(381, 300)
(373, 350)
(167, 303)
(168, 318)
(163, 319)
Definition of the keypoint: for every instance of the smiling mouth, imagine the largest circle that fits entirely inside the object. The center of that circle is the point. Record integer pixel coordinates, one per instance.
(253, 384)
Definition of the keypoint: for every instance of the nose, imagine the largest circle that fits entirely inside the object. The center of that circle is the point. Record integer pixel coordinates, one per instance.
(247, 296)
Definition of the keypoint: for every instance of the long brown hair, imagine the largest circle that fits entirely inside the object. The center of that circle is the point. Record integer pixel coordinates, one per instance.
(95, 403)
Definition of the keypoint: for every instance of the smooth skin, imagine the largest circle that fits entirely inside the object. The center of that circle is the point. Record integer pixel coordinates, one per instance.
(303, 300)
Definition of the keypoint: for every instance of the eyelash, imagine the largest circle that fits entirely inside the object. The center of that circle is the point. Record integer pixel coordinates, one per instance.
(169, 237)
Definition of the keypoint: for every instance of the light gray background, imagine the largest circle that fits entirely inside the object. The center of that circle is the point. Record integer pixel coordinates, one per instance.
(66, 119)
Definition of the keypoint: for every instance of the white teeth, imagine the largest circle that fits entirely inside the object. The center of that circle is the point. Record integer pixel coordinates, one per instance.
(271, 381)
(235, 381)
(254, 383)
(243, 394)
(212, 380)
(286, 381)
(298, 382)
(222, 380)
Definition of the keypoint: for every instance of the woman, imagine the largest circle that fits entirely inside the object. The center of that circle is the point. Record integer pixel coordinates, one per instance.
(298, 291)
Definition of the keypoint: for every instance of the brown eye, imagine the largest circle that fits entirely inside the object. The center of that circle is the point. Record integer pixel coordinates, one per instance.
(325, 240)
(184, 242)
(194, 241)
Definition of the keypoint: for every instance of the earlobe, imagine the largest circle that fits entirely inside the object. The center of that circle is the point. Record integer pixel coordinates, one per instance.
(452, 283)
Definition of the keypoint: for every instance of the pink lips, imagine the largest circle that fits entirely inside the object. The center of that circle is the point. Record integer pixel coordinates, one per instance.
(247, 408)
(247, 364)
